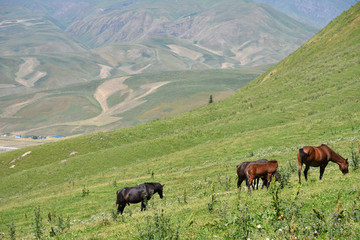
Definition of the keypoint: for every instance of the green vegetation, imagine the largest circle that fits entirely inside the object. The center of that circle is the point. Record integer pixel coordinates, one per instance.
(311, 97)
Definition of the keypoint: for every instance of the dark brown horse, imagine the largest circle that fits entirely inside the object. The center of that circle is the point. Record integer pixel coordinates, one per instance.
(261, 170)
(319, 157)
(241, 170)
(141, 193)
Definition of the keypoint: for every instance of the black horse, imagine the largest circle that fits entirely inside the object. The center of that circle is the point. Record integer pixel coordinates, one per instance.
(141, 193)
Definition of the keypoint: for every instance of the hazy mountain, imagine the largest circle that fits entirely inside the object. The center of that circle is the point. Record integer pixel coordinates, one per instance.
(57, 56)
(315, 12)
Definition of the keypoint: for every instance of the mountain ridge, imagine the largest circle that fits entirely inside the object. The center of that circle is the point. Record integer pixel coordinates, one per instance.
(41, 56)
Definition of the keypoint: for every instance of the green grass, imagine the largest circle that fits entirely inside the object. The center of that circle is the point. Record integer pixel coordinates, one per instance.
(311, 97)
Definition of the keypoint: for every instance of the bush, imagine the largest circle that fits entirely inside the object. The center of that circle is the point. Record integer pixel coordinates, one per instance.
(38, 227)
(158, 227)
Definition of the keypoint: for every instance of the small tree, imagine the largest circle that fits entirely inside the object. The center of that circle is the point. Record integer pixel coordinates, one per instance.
(211, 99)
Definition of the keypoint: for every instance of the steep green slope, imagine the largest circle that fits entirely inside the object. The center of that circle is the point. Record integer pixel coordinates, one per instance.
(311, 97)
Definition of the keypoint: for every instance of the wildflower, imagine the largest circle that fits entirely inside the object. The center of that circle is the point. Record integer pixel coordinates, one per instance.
(246, 207)
(258, 226)
(241, 216)
(280, 230)
(316, 232)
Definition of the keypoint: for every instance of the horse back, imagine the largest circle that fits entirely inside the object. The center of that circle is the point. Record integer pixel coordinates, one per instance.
(241, 168)
(261, 169)
(257, 169)
(315, 156)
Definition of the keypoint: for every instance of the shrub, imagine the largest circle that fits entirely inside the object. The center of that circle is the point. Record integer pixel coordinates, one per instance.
(85, 192)
(355, 159)
(38, 227)
(158, 227)
(12, 230)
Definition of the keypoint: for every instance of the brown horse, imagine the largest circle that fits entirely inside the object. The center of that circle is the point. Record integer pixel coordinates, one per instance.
(141, 193)
(241, 170)
(262, 170)
(319, 157)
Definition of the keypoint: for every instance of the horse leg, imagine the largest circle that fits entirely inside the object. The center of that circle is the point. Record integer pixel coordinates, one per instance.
(143, 206)
(254, 183)
(240, 180)
(268, 181)
(306, 171)
(121, 208)
(322, 170)
(264, 183)
(249, 184)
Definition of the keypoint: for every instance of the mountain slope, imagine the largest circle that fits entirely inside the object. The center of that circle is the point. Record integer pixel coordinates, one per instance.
(316, 13)
(54, 46)
(225, 27)
(309, 98)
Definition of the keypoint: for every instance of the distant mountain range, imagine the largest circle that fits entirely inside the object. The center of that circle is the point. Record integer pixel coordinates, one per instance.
(55, 57)
(315, 12)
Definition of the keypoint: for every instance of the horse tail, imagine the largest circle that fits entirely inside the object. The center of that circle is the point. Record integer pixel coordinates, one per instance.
(302, 154)
(247, 174)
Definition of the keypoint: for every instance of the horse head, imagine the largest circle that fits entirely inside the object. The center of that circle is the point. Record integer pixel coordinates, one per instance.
(160, 190)
(344, 167)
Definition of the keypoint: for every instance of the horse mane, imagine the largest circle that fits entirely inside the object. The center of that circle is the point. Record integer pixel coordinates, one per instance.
(272, 161)
(333, 152)
(152, 183)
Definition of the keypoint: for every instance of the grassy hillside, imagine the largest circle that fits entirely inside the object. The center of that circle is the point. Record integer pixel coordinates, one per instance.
(311, 97)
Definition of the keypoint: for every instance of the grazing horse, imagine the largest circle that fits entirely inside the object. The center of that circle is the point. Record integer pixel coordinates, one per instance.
(319, 157)
(141, 193)
(241, 170)
(261, 170)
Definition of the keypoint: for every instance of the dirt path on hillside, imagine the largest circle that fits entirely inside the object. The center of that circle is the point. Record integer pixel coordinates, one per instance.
(132, 100)
(108, 88)
(185, 52)
(104, 71)
(267, 76)
(26, 69)
(128, 69)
